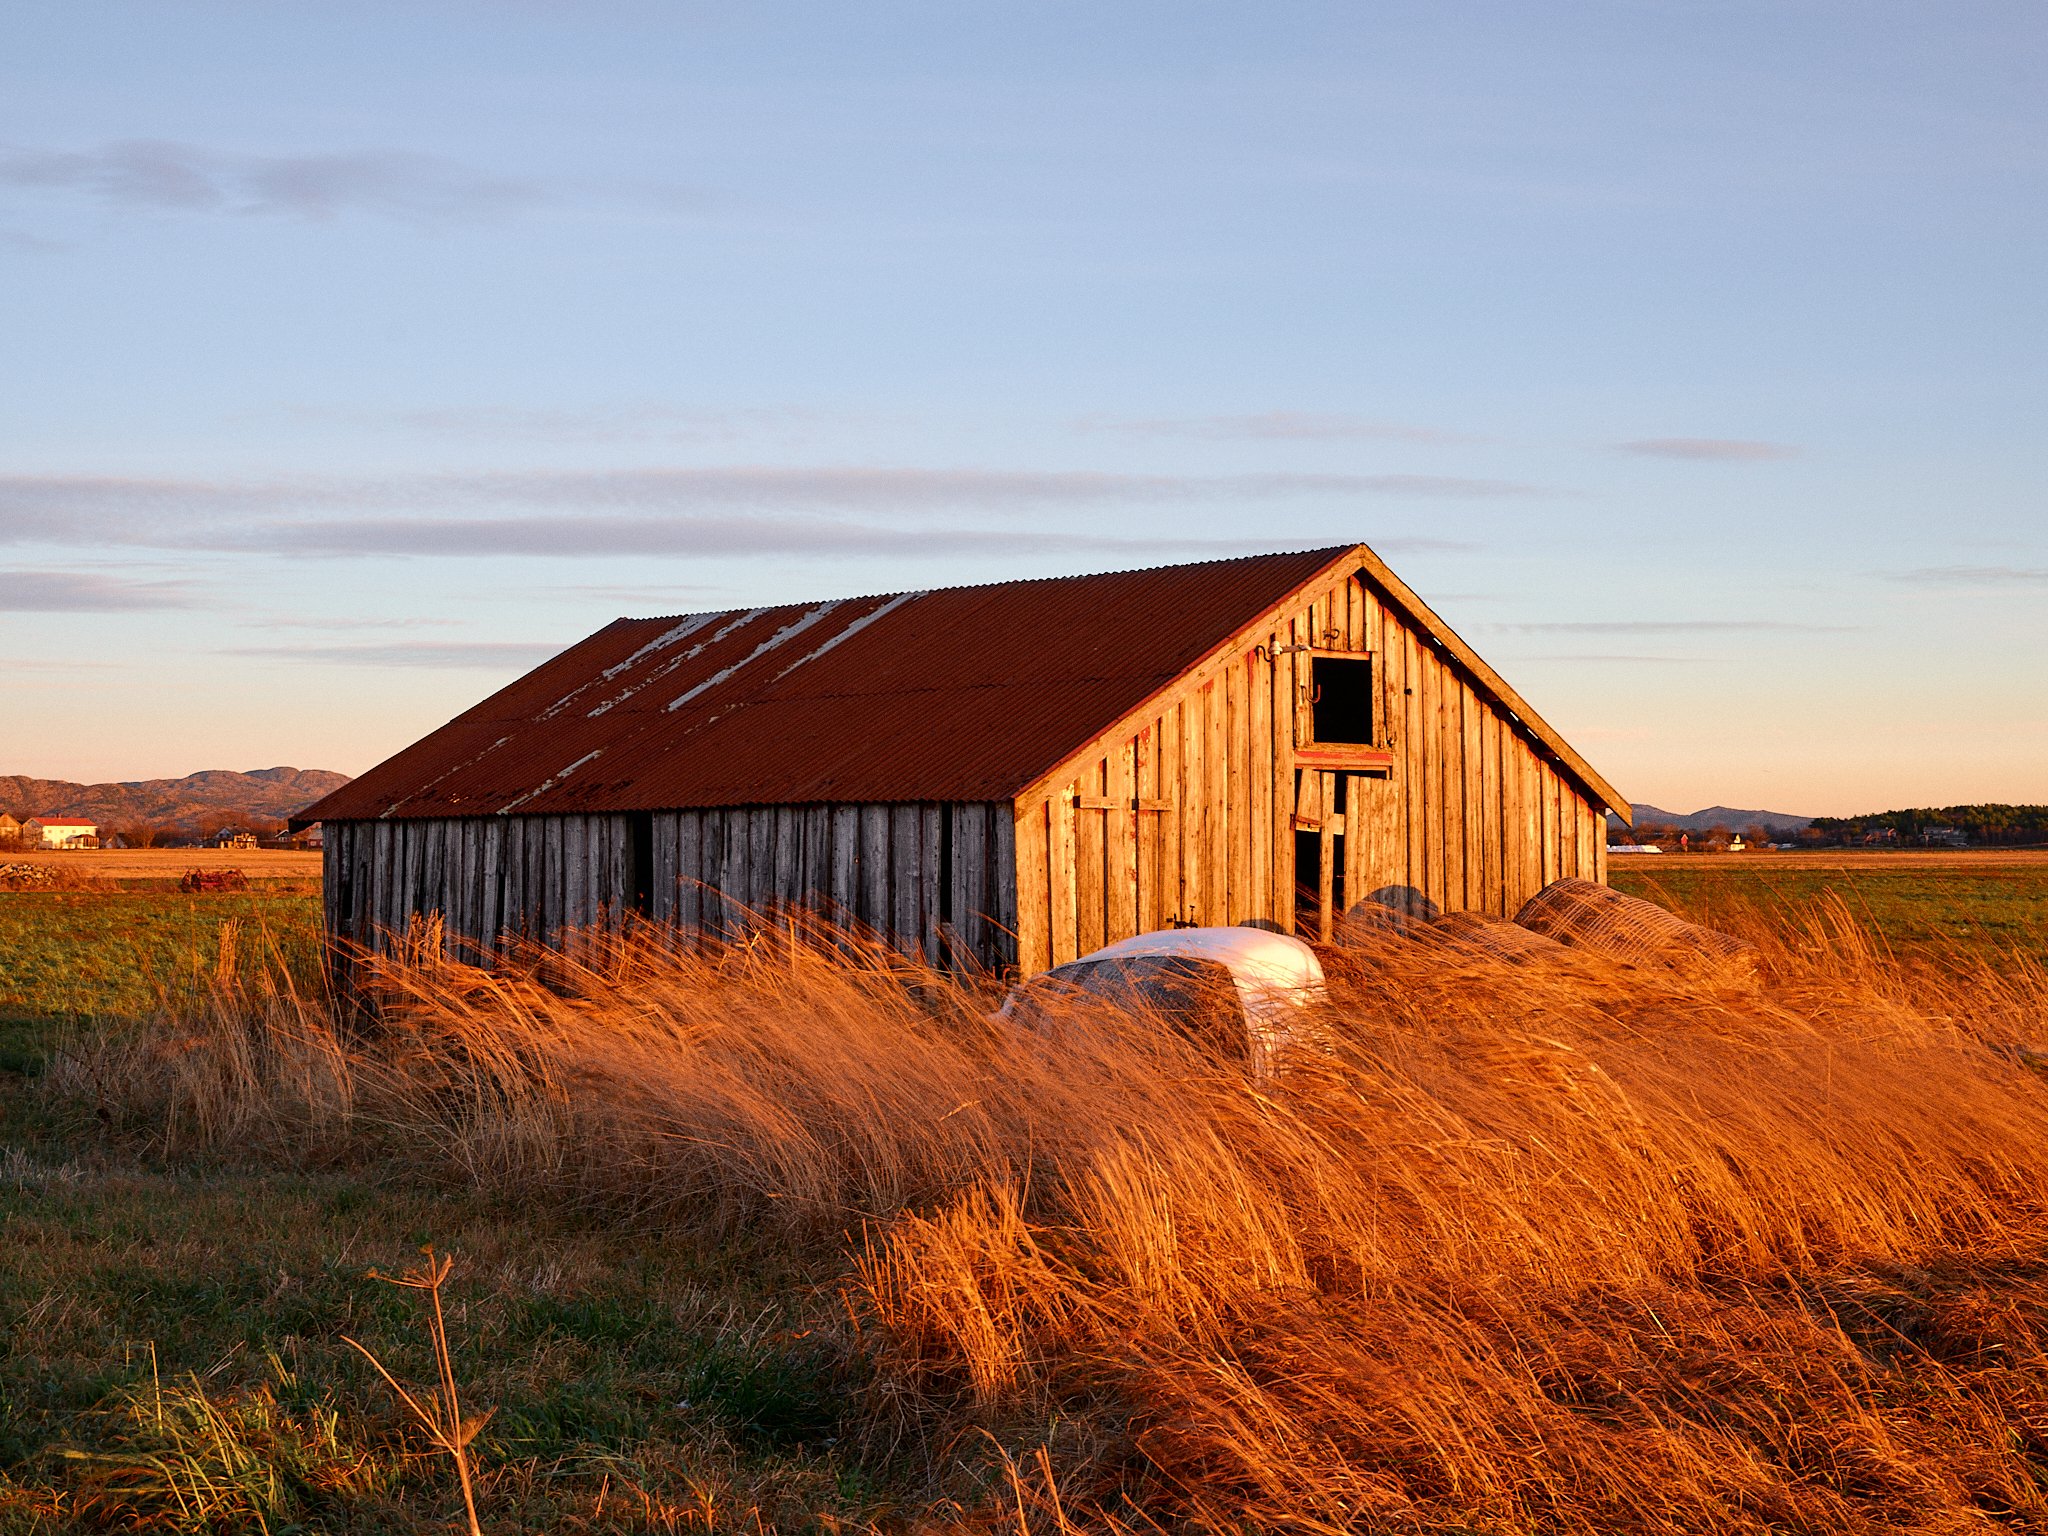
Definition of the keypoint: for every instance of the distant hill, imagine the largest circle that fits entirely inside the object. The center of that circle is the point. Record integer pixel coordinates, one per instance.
(1716, 816)
(189, 804)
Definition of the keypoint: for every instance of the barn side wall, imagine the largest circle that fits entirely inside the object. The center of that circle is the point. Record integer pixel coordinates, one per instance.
(936, 878)
(1471, 816)
(487, 878)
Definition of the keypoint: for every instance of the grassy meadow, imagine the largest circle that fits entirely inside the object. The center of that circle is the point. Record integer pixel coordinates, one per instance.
(793, 1239)
(1945, 908)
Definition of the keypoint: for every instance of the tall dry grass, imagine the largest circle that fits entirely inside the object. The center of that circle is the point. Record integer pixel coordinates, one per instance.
(1557, 1247)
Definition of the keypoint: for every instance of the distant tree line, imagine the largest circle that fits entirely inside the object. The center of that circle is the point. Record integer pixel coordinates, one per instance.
(187, 832)
(1982, 824)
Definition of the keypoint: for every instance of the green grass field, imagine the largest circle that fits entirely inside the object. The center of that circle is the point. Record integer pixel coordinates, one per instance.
(1947, 910)
(92, 954)
(137, 1297)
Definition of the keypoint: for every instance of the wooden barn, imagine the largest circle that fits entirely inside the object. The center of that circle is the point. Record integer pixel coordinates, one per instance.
(1006, 775)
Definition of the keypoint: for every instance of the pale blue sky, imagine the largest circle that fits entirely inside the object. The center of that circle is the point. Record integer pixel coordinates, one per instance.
(1689, 356)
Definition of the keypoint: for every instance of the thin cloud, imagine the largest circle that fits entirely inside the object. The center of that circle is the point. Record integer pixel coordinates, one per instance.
(1711, 450)
(709, 537)
(295, 621)
(732, 510)
(1675, 627)
(617, 424)
(1627, 660)
(481, 655)
(559, 537)
(1974, 576)
(1276, 426)
(158, 175)
(82, 592)
(890, 489)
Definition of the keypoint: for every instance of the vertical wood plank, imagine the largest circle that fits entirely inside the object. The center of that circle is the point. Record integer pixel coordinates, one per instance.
(689, 896)
(1216, 780)
(930, 941)
(1193, 797)
(1064, 886)
(1001, 862)
(1358, 840)
(1150, 826)
(1433, 885)
(1166, 745)
(1284, 734)
(818, 858)
(906, 875)
(1120, 843)
(1326, 865)
(843, 888)
(874, 866)
(1472, 801)
(971, 915)
(1488, 815)
(1546, 802)
(782, 884)
(1259, 779)
(1415, 760)
(1033, 888)
(1238, 790)
(1089, 855)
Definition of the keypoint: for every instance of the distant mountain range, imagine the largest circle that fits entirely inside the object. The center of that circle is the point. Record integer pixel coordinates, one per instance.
(189, 804)
(1714, 816)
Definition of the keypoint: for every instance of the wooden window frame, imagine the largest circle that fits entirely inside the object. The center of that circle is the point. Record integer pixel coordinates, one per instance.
(1339, 756)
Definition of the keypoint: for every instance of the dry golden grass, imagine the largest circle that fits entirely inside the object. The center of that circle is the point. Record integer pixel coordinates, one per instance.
(1561, 1247)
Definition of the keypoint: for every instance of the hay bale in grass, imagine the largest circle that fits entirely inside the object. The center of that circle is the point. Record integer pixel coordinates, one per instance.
(1594, 917)
(1495, 938)
(1389, 913)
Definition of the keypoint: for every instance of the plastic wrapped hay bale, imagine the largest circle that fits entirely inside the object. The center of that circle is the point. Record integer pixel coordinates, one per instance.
(1595, 917)
(1392, 912)
(1495, 938)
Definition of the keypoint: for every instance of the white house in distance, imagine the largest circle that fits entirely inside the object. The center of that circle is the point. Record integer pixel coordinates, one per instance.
(59, 832)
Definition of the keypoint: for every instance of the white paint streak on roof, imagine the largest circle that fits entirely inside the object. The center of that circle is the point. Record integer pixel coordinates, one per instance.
(661, 642)
(851, 630)
(479, 757)
(551, 781)
(787, 633)
(663, 668)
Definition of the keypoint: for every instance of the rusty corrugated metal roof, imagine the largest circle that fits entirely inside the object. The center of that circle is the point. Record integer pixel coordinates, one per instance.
(965, 693)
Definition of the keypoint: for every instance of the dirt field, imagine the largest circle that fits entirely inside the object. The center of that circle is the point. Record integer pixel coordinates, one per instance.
(170, 863)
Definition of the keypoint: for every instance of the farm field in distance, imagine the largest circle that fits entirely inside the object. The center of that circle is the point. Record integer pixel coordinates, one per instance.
(173, 1298)
(1942, 906)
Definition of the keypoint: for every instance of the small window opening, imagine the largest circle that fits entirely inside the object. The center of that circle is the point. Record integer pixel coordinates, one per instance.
(1340, 699)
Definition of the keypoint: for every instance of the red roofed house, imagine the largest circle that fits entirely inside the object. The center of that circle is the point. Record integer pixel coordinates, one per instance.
(60, 832)
(1010, 775)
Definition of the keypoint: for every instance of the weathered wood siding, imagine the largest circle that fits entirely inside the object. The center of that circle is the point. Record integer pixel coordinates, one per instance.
(1192, 817)
(935, 878)
(488, 879)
